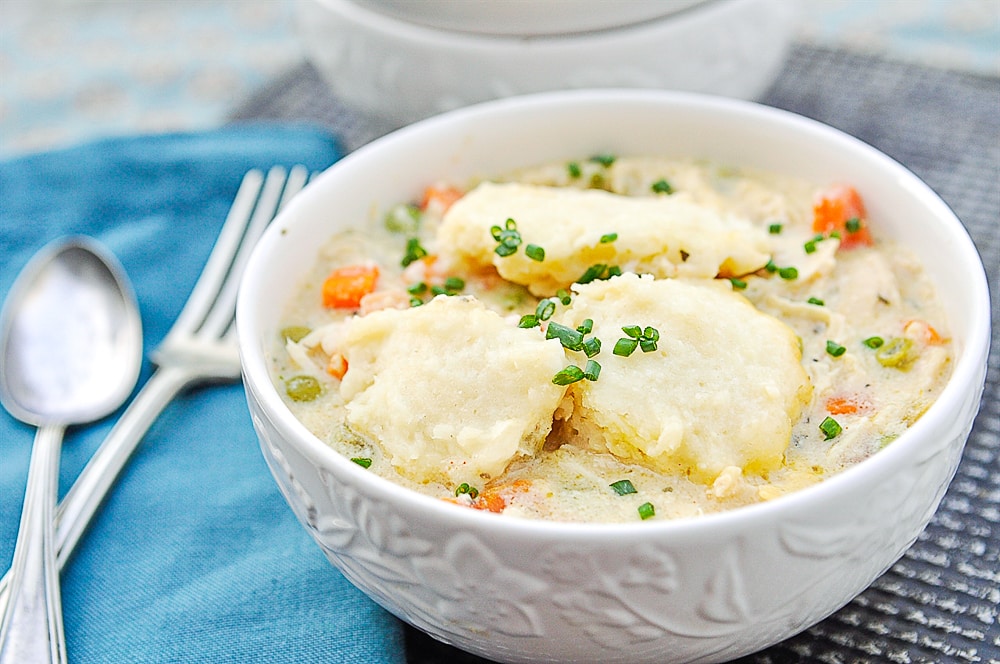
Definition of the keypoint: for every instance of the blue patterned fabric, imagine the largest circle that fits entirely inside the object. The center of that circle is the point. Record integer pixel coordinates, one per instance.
(195, 556)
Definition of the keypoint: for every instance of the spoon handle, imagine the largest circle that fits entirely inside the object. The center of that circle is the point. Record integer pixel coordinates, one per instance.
(32, 627)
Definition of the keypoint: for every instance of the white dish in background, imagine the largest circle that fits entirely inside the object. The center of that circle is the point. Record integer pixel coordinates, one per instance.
(527, 17)
(705, 589)
(397, 72)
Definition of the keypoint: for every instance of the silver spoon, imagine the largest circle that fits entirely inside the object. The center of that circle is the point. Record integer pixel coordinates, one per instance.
(71, 348)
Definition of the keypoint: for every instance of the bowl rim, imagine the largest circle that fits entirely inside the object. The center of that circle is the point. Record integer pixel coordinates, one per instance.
(968, 372)
(648, 11)
(439, 38)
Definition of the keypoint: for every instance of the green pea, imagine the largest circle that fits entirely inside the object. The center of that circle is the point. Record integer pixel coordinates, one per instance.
(303, 388)
(896, 352)
(295, 333)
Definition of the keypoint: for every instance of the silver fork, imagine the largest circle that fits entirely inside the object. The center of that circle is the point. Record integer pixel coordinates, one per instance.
(199, 347)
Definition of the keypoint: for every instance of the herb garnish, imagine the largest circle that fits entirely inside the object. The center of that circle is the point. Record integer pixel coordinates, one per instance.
(623, 487)
(835, 349)
(830, 428)
(508, 238)
(646, 511)
(637, 337)
(661, 186)
(414, 251)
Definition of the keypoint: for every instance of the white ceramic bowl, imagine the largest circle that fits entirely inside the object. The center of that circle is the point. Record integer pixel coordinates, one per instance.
(527, 17)
(396, 71)
(707, 589)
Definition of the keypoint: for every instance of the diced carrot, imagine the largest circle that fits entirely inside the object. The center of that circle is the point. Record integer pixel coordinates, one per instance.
(490, 502)
(832, 210)
(846, 404)
(439, 198)
(337, 366)
(492, 499)
(345, 286)
(923, 331)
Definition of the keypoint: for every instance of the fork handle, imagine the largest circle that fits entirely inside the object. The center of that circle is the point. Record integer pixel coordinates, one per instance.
(85, 496)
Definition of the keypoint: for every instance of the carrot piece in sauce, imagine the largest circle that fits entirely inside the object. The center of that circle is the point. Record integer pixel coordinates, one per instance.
(840, 209)
(440, 198)
(345, 286)
(923, 331)
(337, 366)
(846, 405)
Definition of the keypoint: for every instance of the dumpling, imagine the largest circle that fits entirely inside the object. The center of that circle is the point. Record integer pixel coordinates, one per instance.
(722, 388)
(667, 236)
(450, 390)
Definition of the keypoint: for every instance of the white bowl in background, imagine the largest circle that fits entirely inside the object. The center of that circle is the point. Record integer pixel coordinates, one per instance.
(706, 589)
(395, 71)
(527, 17)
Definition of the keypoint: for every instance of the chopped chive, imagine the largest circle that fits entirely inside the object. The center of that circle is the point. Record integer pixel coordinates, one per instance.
(623, 487)
(604, 160)
(835, 349)
(738, 284)
(592, 346)
(586, 327)
(454, 284)
(771, 267)
(592, 371)
(633, 331)
(815, 300)
(563, 296)
(593, 272)
(853, 225)
(810, 246)
(439, 290)
(414, 251)
(417, 289)
(545, 309)
(830, 428)
(508, 238)
(609, 237)
(646, 511)
(415, 301)
(873, 342)
(651, 333)
(364, 462)
(528, 321)
(625, 346)
(613, 271)
(573, 168)
(569, 375)
(567, 336)
(534, 252)
(788, 273)
(661, 186)
(774, 229)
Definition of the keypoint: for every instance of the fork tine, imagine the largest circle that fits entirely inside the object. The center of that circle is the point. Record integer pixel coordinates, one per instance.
(204, 293)
(221, 313)
(297, 178)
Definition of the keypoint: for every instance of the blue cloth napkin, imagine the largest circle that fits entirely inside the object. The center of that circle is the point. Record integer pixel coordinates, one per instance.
(195, 556)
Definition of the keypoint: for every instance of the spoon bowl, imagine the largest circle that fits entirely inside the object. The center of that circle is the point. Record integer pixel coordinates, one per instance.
(71, 348)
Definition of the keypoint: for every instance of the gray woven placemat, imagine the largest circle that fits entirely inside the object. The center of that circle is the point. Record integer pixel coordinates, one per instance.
(940, 602)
